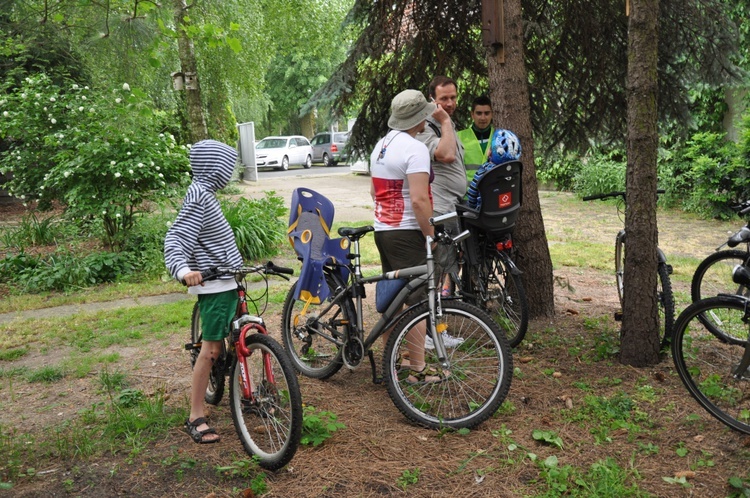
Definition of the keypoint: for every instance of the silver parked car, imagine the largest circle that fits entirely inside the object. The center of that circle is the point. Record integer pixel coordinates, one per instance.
(281, 152)
(329, 147)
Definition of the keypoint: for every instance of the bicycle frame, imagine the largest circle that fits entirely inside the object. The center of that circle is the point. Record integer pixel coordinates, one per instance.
(418, 276)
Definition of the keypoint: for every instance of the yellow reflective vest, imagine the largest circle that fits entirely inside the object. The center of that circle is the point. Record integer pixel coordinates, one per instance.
(473, 155)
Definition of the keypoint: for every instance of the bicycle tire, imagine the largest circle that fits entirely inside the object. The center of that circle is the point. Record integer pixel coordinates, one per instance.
(312, 355)
(215, 388)
(620, 267)
(665, 301)
(664, 293)
(481, 369)
(714, 275)
(270, 427)
(505, 298)
(705, 359)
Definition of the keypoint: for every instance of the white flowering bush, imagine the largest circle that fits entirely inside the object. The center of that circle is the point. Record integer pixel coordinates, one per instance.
(101, 155)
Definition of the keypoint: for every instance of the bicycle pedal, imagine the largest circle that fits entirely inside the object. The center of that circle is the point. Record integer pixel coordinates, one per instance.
(618, 315)
(190, 346)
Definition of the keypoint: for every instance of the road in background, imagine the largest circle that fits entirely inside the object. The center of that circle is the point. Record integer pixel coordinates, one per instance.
(349, 193)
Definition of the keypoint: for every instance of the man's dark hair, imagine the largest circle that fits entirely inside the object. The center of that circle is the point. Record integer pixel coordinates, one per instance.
(440, 81)
(481, 100)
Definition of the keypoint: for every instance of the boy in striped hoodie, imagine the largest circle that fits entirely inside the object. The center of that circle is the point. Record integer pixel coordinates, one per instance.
(200, 238)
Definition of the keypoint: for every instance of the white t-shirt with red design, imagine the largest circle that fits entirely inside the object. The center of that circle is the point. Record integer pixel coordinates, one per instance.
(395, 156)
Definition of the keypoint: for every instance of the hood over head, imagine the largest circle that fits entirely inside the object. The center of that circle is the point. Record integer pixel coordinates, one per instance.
(212, 163)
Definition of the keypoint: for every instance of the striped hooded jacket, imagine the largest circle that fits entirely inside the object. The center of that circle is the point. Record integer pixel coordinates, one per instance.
(200, 237)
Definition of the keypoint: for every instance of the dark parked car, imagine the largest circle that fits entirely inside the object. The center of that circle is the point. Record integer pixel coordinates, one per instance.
(329, 148)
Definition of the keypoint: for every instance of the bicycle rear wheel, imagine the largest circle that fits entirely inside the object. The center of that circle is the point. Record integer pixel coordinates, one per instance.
(269, 426)
(215, 389)
(706, 358)
(714, 275)
(478, 376)
(504, 297)
(665, 301)
(312, 335)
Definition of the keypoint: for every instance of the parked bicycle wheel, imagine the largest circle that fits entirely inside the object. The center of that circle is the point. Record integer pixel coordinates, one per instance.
(215, 389)
(706, 359)
(714, 275)
(664, 294)
(269, 426)
(505, 298)
(665, 301)
(313, 335)
(477, 379)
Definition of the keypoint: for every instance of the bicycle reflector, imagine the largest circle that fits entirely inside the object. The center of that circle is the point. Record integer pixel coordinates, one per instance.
(504, 245)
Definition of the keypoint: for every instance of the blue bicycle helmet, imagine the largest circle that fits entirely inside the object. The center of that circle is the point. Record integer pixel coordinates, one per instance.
(505, 147)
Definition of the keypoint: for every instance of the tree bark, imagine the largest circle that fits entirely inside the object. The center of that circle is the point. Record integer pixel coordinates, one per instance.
(511, 107)
(195, 117)
(640, 329)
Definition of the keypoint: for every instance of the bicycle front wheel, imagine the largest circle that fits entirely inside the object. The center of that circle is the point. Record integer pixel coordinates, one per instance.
(714, 275)
(505, 298)
(269, 425)
(706, 359)
(215, 388)
(477, 377)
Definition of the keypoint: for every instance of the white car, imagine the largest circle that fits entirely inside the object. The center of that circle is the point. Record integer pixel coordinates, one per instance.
(281, 152)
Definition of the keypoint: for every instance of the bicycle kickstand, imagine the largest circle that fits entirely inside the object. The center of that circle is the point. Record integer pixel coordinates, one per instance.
(376, 379)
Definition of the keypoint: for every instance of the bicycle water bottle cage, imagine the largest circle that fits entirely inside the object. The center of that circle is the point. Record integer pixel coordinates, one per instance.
(310, 221)
(500, 193)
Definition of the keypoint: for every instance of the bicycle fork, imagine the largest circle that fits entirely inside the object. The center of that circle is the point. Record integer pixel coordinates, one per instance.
(240, 329)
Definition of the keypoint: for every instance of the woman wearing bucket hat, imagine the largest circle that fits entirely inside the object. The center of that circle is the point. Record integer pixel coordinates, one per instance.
(401, 175)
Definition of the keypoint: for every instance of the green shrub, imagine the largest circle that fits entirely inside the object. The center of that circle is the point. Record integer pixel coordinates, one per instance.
(257, 224)
(601, 173)
(146, 244)
(559, 168)
(100, 154)
(705, 175)
(65, 269)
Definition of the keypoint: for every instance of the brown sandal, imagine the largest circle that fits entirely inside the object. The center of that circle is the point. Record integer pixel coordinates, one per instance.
(192, 429)
(428, 375)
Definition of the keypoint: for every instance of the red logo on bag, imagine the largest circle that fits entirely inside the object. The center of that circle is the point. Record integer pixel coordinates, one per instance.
(504, 200)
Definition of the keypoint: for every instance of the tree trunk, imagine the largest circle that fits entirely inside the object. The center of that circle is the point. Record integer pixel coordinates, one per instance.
(509, 93)
(640, 329)
(195, 117)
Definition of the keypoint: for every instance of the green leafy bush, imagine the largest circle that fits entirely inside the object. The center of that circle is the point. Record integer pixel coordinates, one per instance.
(257, 224)
(706, 175)
(559, 168)
(101, 154)
(65, 269)
(145, 243)
(601, 173)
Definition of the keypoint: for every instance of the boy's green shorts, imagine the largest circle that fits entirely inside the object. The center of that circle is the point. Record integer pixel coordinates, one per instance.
(217, 311)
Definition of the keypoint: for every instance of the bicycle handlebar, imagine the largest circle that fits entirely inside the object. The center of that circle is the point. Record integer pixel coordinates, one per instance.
(439, 220)
(613, 194)
(269, 269)
(742, 208)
